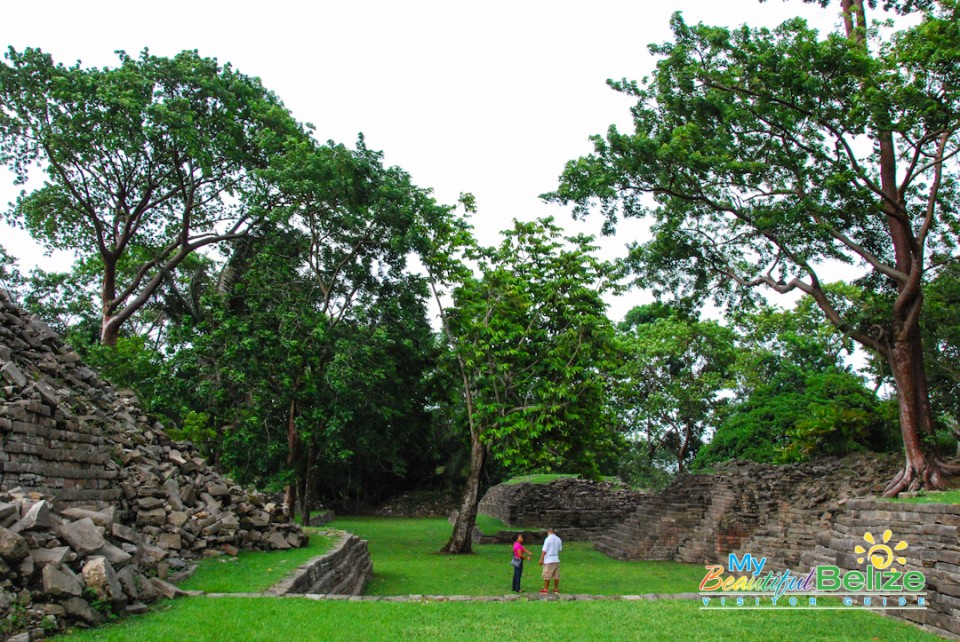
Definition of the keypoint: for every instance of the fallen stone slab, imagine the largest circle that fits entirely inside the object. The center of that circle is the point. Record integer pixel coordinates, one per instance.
(37, 517)
(60, 581)
(83, 536)
(13, 547)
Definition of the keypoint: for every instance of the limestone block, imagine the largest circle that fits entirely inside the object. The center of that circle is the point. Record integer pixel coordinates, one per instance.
(6, 510)
(152, 554)
(83, 536)
(156, 517)
(218, 490)
(13, 547)
(56, 556)
(230, 522)
(169, 541)
(27, 567)
(189, 495)
(99, 575)
(79, 608)
(38, 516)
(126, 533)
(173, 494)
(166, 589)
(100, 518)
(277, 541)
(115, 555)
(59, 581)
(150, 503)
(12, 374)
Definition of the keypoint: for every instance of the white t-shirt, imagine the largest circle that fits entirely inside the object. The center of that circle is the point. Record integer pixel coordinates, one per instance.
(551, 548)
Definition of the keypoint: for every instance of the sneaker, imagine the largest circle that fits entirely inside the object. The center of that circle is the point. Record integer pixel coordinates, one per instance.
(544, 591)
(556, 591)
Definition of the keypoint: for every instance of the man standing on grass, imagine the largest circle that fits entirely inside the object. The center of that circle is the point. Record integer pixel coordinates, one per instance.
(550, 561)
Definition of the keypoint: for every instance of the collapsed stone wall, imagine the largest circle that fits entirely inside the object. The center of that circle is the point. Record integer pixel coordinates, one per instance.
(91, 490)
(579, 509)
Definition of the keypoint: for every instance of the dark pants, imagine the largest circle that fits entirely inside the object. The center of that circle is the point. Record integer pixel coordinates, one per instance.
(517, 572)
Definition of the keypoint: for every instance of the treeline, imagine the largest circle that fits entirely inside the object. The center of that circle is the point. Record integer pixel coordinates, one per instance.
(318, 323)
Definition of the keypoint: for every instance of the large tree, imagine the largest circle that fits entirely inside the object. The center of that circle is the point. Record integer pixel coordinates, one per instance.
(767, 157)
(531, 340)
(145, 162)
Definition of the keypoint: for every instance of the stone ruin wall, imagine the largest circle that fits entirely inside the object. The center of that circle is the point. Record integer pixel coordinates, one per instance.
(932, 532)
(98, 506)
(45, 444)
(798, 516)
(580, 510)
(345, 570)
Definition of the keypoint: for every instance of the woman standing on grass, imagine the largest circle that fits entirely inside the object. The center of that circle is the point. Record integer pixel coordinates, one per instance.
(519, 553)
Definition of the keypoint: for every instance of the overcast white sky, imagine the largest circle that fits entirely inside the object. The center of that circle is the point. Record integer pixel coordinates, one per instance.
(490, 98)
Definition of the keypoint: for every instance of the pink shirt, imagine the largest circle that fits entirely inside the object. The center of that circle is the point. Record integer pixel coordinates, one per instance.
(518, 549)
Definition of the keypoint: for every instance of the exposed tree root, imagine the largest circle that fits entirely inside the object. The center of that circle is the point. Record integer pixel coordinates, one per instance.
(929, 475)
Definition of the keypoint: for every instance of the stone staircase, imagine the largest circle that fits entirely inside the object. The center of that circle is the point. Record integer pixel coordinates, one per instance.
(766, 510)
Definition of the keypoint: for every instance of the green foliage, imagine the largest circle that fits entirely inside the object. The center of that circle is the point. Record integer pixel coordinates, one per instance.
(790, 419)
(765, 157)
(643, 467)
(196, 428)
(674, 370)
(941, 330)
(10, 278)
(535, 343)
(795, 398)
(131, 363)
(145, 162)
(311, 357)
(839, 429)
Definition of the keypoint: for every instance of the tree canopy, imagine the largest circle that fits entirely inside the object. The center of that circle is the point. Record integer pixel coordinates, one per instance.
(765, 158)
(145, 162)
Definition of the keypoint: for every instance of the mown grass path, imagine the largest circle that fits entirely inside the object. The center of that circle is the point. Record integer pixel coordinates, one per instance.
(468, 602)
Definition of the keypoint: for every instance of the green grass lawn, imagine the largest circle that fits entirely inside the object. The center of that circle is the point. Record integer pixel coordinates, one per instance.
(932, 497)
(253, 572)
(295, 620)
(490, 525)
(406, 561)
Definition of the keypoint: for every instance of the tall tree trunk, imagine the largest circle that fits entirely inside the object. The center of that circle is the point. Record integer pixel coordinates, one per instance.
(461, 540)
(109, 328)
(922, 468)
(293, 448)
(306, 488)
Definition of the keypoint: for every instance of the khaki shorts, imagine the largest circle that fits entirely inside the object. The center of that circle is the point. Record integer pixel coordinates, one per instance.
(551, 571)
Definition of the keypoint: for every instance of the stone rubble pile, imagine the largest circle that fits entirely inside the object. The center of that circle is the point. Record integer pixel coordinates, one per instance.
(97, 504)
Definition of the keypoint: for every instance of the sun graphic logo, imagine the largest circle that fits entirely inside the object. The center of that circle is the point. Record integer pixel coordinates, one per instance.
(880, 554)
